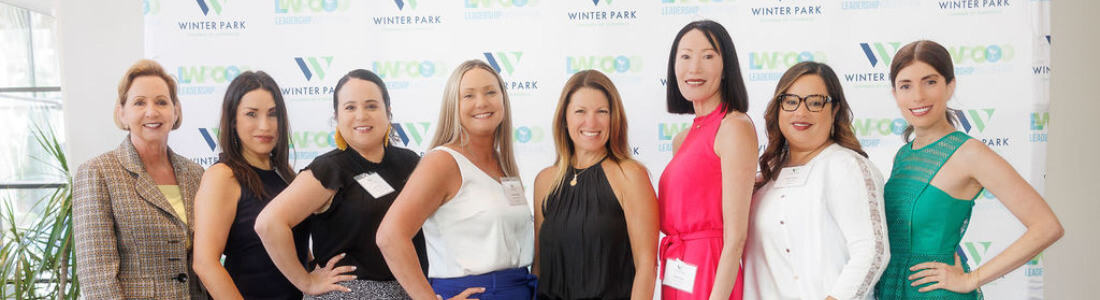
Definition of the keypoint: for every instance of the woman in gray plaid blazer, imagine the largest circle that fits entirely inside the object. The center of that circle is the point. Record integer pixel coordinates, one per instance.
(132, 206)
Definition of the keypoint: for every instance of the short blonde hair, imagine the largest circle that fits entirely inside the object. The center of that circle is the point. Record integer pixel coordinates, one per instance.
(146, 67)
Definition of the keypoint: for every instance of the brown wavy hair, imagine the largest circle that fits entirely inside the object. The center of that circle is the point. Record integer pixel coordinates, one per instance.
(777, 152)
(618, 149)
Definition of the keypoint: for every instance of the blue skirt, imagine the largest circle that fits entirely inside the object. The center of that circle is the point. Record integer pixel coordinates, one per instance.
(508, 284)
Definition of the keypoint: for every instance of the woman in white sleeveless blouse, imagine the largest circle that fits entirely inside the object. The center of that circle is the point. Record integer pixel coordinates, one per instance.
(467, 196)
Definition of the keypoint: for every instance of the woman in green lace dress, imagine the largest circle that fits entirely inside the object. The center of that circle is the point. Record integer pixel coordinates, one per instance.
(932, 188)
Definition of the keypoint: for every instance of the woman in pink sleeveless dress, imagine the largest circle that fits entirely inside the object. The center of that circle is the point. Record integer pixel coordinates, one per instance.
(706, 189)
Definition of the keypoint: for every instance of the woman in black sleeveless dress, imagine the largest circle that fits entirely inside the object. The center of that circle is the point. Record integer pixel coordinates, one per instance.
(595, 210)
(253, 169)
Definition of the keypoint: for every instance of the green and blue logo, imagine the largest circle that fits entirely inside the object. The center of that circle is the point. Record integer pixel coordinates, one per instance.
(412, 132)
(975, 252)
(311, 6)
(1039, 121)
(668, 131)
(151, 7)
(206, 74)
(211, 5)
(503, 62)
(314, 66)
(529, 134)
(499, 9)
(693, 7)
(404, 69)
(609, 64)
(770, 65)
(974, 118)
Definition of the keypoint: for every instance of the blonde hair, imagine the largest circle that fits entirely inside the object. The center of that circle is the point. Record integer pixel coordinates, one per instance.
(617, 147)
(146, 67)
(449, 128)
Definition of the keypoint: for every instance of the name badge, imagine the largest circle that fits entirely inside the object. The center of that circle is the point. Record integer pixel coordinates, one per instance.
(513, 190)
(374, 184)
(679, 275)
(793, 176)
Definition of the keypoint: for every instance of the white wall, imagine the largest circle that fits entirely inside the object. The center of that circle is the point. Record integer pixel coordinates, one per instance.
(98, 42)
(1072, 162)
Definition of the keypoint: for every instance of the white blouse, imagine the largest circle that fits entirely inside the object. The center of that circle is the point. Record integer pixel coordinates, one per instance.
(818, 230)
(479, 230)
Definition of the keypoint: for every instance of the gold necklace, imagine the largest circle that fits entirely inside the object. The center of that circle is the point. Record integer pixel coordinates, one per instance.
(575, 173)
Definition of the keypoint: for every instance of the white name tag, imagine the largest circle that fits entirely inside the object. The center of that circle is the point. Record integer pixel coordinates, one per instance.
(513, 190)
(793, 176)
(679, 275)
(374, 184)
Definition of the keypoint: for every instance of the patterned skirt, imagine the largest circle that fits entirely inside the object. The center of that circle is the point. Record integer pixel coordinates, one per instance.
(366, 289)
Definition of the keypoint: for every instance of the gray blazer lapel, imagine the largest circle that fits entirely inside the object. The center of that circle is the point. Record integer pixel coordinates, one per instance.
(143, 183)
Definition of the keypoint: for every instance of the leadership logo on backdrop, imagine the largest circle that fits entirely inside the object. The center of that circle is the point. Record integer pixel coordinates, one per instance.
(298, 12)
(405, 14)
(204, 79)
(1038, 127)
(532, 139)
(314, 70)
(973, 59)
(601, 12)
(666, 132)
(487, 10)
(410, 73)
(872, 132)
(506, 63)
(211, 20)
(151, 7)
(770, 65)
(696, 7)
(873, 5)
(622, 68)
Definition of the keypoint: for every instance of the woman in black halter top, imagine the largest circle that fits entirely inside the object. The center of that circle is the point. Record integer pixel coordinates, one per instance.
(595, 210)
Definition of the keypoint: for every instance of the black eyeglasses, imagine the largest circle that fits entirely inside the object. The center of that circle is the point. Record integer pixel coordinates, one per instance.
(814, 103)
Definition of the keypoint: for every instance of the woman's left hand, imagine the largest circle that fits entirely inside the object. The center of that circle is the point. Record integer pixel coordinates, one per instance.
(947, 277)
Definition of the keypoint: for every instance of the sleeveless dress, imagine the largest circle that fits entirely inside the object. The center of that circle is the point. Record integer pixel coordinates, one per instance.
(584, 246)
(690, 209)
(925, 223)
(246, 260)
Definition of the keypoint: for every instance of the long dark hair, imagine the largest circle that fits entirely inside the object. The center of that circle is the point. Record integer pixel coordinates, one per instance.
(934, 55)
(734, 94)
(230, 141)
(777, 152)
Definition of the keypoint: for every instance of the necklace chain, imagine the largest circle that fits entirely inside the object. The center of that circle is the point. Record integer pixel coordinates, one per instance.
(575, 173)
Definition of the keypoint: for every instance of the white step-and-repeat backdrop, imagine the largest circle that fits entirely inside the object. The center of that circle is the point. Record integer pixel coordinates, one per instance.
(1001, 51)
